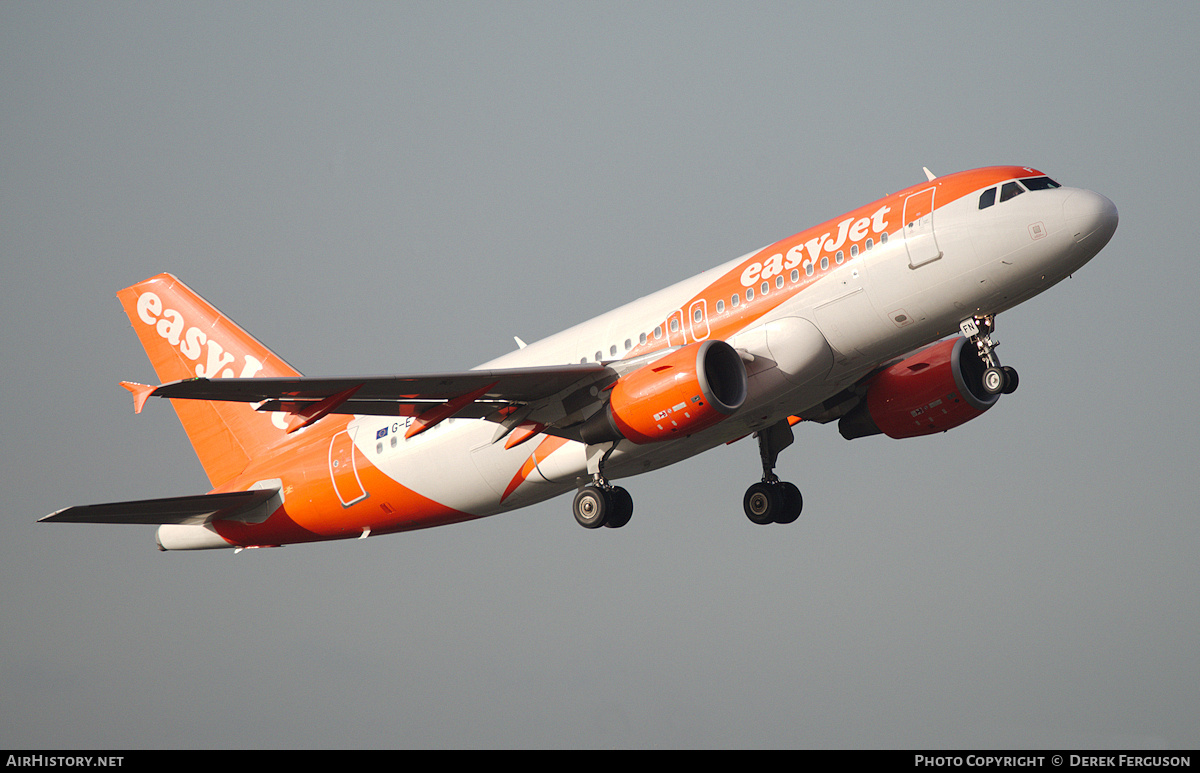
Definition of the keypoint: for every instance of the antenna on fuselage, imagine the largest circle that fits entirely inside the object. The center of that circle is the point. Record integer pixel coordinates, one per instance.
(930, 176)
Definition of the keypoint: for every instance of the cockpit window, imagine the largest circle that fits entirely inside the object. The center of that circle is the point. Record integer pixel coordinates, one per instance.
(1010, 190)
(1040, 183)
(1014, 188)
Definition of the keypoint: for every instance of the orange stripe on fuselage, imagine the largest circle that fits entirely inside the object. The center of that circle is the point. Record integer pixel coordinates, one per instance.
(544, 449)
(808, 247)
(312, 509)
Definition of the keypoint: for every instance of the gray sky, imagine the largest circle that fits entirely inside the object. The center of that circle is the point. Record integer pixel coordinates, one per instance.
(395, 187)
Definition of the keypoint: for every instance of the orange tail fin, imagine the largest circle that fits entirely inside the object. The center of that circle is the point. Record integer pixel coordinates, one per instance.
(186, 337)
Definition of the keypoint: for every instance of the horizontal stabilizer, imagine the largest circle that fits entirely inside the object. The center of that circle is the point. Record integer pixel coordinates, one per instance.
(201, 508)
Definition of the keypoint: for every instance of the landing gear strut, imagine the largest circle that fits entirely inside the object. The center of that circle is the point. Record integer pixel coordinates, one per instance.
(772, 500)
(996, 379)
(600, 503)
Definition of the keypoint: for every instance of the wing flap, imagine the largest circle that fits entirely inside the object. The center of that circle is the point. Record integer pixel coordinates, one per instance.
(200, 508)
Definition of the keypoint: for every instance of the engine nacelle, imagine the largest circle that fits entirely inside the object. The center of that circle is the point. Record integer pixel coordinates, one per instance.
(677, 395)
(934, 390)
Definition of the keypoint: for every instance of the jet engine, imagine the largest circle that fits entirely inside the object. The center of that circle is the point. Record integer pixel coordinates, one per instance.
(936, 389)
(682, 393)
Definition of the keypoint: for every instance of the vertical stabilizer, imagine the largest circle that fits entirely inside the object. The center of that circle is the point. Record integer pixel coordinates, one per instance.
(186, 337)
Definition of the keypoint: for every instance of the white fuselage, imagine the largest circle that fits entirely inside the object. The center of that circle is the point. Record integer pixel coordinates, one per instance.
(904, 291)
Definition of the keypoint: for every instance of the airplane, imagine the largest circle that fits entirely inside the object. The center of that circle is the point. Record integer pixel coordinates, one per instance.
(880, 320)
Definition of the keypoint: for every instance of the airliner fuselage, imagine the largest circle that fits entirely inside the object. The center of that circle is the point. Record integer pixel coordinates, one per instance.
(839, 322)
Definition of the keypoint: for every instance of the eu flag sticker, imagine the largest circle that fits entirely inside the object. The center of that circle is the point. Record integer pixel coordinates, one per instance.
(381, 433)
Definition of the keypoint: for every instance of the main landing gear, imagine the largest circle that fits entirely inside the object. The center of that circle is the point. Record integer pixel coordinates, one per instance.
(997, 378)
(600, 503)
(772, 500)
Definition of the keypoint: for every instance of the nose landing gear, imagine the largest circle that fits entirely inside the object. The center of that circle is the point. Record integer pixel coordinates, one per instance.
(997, 378)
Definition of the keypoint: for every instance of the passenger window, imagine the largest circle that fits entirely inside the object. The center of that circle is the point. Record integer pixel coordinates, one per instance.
(734, 301)
(839, 257)
(883, 237)
(674, 324)
(599, 356)
(779, 281)
(988, 198)
(658, 332)
(824, 262)
(642, 338)
(870, 243)
(1010, 190)
(720, 306)
(795, 275)
(762, 288)
(628, 344)
(749, 293)
(854, 250)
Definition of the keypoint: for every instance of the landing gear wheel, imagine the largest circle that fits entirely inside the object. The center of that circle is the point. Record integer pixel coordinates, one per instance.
(1010, 379)
(622, 508)
(994, 381)
(763, 502)
(793, 503)
(592, 506)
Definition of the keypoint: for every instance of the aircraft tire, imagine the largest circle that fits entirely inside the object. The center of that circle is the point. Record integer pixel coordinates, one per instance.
(591, 507)
(622, 508)
(994, 380)
(762, 503)
(793, 503)
(1011, 379)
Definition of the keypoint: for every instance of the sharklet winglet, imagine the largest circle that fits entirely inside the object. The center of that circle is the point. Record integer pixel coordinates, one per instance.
(141, 393)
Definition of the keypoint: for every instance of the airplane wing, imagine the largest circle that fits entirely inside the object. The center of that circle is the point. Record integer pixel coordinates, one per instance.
(201, 508)
(550, 396)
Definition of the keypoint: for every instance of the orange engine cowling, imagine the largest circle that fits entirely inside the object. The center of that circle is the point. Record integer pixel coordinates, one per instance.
(936, 389)
(684, 392)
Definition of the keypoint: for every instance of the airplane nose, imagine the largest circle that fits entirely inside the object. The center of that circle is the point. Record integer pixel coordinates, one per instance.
(1090, 216)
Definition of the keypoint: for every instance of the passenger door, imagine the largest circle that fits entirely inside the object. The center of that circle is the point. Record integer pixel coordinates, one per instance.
(919, 238)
